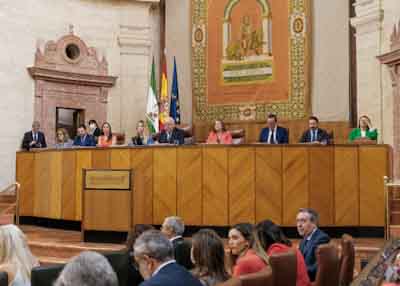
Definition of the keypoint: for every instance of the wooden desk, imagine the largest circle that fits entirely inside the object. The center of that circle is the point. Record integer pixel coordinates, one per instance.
(217, 185)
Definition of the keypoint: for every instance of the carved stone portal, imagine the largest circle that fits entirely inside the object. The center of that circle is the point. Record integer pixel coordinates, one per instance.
(68, 74)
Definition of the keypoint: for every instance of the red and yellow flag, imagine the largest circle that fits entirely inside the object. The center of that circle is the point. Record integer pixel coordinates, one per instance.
(164, 98)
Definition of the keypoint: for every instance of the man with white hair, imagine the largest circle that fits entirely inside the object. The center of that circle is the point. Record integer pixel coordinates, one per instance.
(88, 269)
(171, 134)
(154, 257)
(173, 228)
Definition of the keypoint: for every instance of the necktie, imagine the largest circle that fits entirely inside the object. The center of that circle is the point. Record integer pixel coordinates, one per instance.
(312, 135)
(35, 137)
(272, 141)
(315, 135)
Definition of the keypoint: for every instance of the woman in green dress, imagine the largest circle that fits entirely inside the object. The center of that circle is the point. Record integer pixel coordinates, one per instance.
(364, 131)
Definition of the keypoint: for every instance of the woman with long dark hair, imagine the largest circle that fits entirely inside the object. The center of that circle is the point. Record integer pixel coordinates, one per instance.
(219, 134)
(107, 139)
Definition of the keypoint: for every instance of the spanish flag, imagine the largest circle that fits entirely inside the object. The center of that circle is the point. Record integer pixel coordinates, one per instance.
(164, 99)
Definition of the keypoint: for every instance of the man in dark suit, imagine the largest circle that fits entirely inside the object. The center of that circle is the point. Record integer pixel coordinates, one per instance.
(154, 257)
(173, 228)
(314, 134)
(171, 134)
(307, 226)
(274, 134)
(83, 139)
(34, 138)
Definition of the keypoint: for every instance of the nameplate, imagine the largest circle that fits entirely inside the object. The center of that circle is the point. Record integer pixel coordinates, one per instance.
(107, 180)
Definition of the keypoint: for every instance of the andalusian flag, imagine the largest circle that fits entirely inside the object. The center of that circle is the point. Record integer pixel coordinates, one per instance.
(152, 104)
(174, 110)
(164, 100)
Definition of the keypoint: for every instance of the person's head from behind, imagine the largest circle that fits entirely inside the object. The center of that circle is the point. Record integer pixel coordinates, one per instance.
(106, 130)
(88, 269)
(306, 221)
(173, 226)
(208, 255)
(364, 122)
(136, 231)
(272, 120)
(267, 233)
(93, 124)
(62, 135)
(240, 238)
(140, 128)
(81, 130)
(35, 126)
(14, 249)
(169, 124)
(152, 249)
(219, 126)
(313, 122)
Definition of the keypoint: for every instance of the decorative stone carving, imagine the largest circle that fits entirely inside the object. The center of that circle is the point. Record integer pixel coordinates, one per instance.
(69, 74)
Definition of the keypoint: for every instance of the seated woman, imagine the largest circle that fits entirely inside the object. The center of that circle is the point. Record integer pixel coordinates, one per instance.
(219, 135)
(208, 257)
(141, 137)
(15, 257)
(364, 130)
(134, 276)
(244, 259)
(94, 129)
(62, 139)
(107, 139)
(269, 239)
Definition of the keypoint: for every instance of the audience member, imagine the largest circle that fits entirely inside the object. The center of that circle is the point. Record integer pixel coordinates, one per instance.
(141, 138)
(83, 139)
(307, 226)
(219, 134)
(392, 273)
(314, 134)
(134, 276)
(244, 259)
(94, 129)
(274, 134)
(88, 269)
(269, 239)
(171, 134)
(34, 138)
(208, 257)
(106, 139)
(15, 257)
(62, 139)
(364, 130)
(173, 228)
(154, 256)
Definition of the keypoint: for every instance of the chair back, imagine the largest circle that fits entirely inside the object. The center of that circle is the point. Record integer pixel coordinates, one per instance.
(284, 268)
(45, 275)
(347, 259)
(3, 278)
(238, 136)
(328, 265)
(188, 133)
(119, 262)
(262, 278)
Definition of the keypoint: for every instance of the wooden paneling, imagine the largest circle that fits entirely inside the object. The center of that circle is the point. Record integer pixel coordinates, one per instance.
(55, 195)
(164, 184)
(24, 175)
(347, 188)
(142, 165)
(101, 159)
(295, 182)
(373, 167)
(120, 159)
(83, 161)
(215, 186)
(190, 185)
(241, 185)
(321, 180)
(269, 184)
(69, 209)
(107, 210)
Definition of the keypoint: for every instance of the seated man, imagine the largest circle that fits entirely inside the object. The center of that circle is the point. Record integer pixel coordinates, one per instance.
(88, 269)
(171, 134)
(274, 134)
(173, 229)
(314, 134)
(34, 138)
(83, 138)
(154, 257)
(307, 226)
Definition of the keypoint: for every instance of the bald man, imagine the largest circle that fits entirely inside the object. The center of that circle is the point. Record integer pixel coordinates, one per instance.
(171, 134)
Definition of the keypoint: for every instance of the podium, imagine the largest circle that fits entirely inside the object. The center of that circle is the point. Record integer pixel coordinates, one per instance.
(107, 201)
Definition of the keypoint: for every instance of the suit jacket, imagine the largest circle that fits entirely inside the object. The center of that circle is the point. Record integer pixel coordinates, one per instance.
(88, 141)
(322, 135)
(182, 252)
(28, 138)
(282, 136)
(172, 275)
(308, 249)
(177, 136)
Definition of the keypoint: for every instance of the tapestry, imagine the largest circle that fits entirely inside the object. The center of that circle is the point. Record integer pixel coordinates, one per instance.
(250, 58)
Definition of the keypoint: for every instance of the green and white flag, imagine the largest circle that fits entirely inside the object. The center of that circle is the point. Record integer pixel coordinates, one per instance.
(152, 104)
